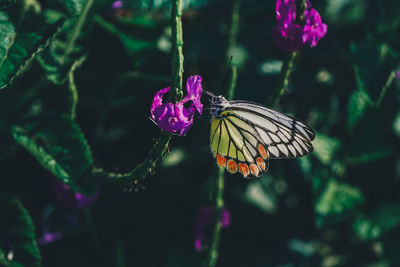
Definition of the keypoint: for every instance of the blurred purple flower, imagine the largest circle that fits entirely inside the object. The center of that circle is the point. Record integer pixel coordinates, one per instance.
(314, 29)
(176, 118)
(71, 199)
(285, 11)
(117, 4)
(290, 36)
(398, 74)
(204, 220)
(49, 237)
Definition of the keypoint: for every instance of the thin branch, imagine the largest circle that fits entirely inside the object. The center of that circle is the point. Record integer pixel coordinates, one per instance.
(76, 31)
(217, 210)
(219, 195)
(72, 86)
(229, 46)
(176, 51)
(389, 81)
(158, 150)
(286, 74)
(290, 61)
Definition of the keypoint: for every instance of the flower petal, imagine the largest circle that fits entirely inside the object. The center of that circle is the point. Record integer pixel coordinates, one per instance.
(194, 91)
(158, 99)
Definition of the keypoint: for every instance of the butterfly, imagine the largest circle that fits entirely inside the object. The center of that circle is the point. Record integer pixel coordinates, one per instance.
(245, 135)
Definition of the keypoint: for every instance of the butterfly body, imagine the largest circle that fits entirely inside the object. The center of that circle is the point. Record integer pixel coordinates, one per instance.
(245, 135)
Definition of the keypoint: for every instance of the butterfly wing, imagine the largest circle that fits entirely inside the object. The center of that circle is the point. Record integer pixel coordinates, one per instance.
(245, 135)
(284, 136)
(235, 145)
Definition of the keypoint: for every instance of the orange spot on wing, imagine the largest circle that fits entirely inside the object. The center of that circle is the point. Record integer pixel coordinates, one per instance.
(221, 161)
(262, 151)
(261, 163)
(254, 169)
(231, 166)
(244, 169)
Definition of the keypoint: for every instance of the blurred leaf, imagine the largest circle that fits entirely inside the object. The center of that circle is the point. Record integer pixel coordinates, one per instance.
(358, 103)
(368, 157)
(17, 232)
(75, 7)
(132, 44)
(378, 221)
(60, 147)
(6, 3)
(337, 199)
(396, 125)
(175, 157)
(345, 12)
(18, 49)
(325, 147)
(372, 65)
(52, 62)
(262, 194)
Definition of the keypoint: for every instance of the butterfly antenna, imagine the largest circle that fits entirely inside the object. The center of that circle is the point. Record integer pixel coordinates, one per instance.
(209, 93)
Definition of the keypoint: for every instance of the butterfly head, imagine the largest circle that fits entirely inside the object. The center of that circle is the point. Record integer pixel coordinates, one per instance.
(218, 104)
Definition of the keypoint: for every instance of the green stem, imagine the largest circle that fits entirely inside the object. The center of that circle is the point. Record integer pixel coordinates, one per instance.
(119, 254)
(218, 205)
(391, 78)
(229, 46)
(141, 170)
(147, 166)
(290, 61)
(219, 195)
(72, 86)
(176, 51)
(76, 31)
(232, 83)
(287, 70)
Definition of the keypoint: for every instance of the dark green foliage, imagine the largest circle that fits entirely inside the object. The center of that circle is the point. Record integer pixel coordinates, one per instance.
(19, 48)
(378, 221)
(79, 114)
(60, 147)
(18, 247)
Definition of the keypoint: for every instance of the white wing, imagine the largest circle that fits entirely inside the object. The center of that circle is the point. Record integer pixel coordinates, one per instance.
(284, 136)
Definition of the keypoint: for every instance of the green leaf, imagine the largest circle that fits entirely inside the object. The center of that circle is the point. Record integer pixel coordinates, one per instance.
(325, 147)
(60, 147)
(75, 7)
(19, 48)
(359, 101)
(132, 44)
(337, 199)
(378, 221)
(16, 228)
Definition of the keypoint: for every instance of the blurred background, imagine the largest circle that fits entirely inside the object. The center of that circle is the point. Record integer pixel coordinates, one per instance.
(340, 206)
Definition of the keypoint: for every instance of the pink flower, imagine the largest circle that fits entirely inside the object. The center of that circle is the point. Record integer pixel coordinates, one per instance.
(290, 36)
(176, 118)
(204, 220)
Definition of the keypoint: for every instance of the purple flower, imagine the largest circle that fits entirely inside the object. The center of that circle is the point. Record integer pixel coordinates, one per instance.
(314, 29)
(398, 74)
(71, 199)
(117, 4)
(204, 220)
(285, 11)
(176, 118)
(49, 237)
(290, 36)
